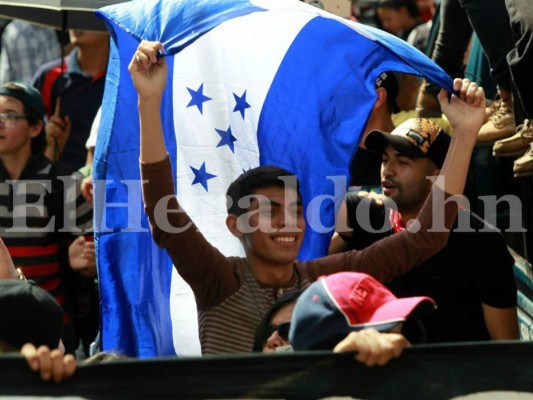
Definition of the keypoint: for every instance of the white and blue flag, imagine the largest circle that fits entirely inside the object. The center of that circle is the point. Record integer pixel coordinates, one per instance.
(251, 82)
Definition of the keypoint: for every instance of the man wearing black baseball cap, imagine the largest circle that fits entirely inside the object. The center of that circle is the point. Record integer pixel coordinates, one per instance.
(471, 279)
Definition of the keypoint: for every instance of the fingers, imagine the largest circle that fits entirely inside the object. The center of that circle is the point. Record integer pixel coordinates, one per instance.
(58, 121)
(470, 92)
(29, 352)
(50, 363)
(69, 366)
(147, 53)
(373, 347)
(57, 365)
(87, 189)
(45, 362)
(466, 90)
(68, 125)
(57, 111)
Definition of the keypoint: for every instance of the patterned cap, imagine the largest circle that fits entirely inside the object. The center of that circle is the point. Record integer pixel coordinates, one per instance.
(416, 137)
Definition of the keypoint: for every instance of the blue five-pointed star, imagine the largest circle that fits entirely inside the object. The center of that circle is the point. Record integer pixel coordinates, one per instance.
(197, 98)
(201, 176)
(241, 103)
(226, 138)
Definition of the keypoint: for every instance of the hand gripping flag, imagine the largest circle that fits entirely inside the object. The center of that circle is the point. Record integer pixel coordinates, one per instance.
(251, 82)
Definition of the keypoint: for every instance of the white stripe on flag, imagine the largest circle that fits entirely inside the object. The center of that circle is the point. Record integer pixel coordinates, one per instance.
(229, 60)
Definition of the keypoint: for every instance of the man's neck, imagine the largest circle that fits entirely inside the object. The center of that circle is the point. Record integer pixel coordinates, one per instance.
(379, 120)
(15, 163)
(93, 60)
(271, 275)
(406, 216)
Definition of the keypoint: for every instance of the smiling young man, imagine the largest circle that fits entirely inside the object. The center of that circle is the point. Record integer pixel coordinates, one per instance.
(233, 293)
(471, 279)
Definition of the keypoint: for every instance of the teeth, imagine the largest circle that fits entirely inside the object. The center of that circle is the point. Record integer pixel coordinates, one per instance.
(284, 239)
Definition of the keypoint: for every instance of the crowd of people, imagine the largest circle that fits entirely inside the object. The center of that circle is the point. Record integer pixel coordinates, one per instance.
(389, 280)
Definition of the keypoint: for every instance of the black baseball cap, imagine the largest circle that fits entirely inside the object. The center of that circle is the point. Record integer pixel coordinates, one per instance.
(416, 137)
(27, 94)
(29, 314)
(389, 82)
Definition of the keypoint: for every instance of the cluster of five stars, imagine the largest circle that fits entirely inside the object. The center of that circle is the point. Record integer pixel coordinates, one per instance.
(198, 99)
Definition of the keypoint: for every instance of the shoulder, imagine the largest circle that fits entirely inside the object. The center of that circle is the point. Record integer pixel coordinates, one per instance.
(60, 169)
(480, 237)
(476, 224)
(48, 68)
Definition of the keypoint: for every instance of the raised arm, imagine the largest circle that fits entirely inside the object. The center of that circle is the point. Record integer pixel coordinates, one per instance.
(149, 75)
(466, 115)
(396, 254)
(210, 274)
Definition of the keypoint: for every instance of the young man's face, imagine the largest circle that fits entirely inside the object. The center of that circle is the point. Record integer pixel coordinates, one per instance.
(273, 228)
(393, 20)
(87, 38)
(403, 179)
(15, 133)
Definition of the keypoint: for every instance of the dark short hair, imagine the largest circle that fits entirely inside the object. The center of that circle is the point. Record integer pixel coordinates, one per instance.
(252, 180)
(410, 5)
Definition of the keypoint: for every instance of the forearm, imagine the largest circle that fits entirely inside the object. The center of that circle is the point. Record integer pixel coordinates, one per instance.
(502, 323)
(51, 151)
(457, 163)
(152, 140)
(210, 274)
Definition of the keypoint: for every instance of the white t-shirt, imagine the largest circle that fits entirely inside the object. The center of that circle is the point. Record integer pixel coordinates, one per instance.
(91, 141)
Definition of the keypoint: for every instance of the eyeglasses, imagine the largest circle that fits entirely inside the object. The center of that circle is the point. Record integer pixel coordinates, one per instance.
(9, 120)
(282, 329)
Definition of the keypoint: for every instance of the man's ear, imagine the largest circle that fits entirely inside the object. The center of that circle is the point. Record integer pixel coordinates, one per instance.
(231, 223)
(36, 129)
(382, 98)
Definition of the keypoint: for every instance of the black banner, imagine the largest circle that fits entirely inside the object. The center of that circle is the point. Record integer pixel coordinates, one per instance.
(422, 372)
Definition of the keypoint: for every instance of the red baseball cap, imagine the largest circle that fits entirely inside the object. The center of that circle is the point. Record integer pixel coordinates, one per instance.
(338, 304)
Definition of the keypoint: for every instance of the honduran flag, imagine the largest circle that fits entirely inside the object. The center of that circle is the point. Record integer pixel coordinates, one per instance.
(251, 82)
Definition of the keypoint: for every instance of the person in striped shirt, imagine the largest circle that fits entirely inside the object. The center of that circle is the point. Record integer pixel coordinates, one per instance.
(38, 220)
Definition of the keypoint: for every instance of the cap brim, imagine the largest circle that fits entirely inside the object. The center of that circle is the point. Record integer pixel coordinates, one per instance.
(376, 141)
(392, 312)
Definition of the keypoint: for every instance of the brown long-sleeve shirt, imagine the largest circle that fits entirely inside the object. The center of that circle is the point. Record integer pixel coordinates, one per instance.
(230, 301)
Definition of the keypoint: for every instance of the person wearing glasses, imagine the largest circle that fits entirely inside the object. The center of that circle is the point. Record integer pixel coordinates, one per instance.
(272, 335)
(32, 205)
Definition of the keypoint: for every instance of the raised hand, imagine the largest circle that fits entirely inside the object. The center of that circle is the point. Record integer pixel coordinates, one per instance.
(465, 112)
(148, 72)
(82, 256)
(57, 133)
